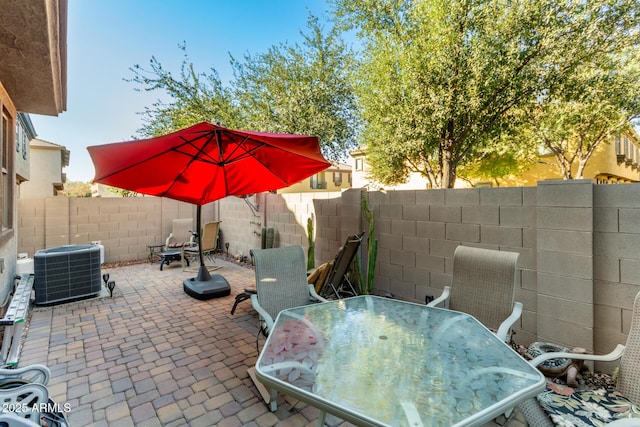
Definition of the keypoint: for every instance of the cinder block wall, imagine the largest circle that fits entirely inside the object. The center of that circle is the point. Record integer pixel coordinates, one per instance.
(579, 243)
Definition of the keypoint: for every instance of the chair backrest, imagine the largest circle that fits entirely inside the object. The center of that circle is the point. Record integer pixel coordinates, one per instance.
(629, 375)
(342, 262)
(483, 284)
(209, 238)
(281, 278)
(180, 232)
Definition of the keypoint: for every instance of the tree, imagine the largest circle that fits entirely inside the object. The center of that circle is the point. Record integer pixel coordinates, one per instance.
(75, 189)
(195, 97)
(301, 89)
(440, 80)
(593, 106)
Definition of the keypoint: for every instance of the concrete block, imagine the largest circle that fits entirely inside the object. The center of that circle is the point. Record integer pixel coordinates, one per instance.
(403, 227)
(390, 212)
(390, 241)
(402, 197)
(606, 269)
(607, 318)
(562, 264)
(605, 219)
(615, 294)
(439, 281)
(431, 263)
(430, 197)
(481, 215)
(578, 219)
(630, 271)
(551, 329)
(445, 214)
(506, 196)
(415, 276)
(570, 288)
(430, 229)
(403, 258)
(530, 238)
(393, 271)
(623, 196)
(415, 212)
(463, 232)
(561, 193)
(462, 196)
(530, 196)
(415, 244)
(497, 235)
(572, 242)
(529, 323)
(442, 248)
(517, 216)
(616, 245)
(529, 299)
(529, 280)
(629, 221)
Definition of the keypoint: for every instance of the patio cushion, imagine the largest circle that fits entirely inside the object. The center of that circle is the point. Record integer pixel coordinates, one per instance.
(567, 406)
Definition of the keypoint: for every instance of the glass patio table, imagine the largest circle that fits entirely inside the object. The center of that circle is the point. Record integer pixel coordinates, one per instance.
(376, 361)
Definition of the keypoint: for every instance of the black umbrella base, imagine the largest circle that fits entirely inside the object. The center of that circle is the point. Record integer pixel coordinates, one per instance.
(215, 287)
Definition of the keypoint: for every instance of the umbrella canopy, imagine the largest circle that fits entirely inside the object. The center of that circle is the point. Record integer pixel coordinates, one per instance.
(207, 162)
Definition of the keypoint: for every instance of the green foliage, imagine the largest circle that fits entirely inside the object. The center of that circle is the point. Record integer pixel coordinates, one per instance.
(122, 192)
(302, 89)
(194, 97)
(597, 103)
(441, 81)
(75, 189)
(366, 284)
(311, 262)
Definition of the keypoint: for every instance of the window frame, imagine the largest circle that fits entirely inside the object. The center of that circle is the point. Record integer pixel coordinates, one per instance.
(7, 162)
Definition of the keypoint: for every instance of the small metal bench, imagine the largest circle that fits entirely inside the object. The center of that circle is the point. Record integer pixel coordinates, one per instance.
(14, 321)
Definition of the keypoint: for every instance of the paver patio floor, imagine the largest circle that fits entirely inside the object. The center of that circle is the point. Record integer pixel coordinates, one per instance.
(154, 356)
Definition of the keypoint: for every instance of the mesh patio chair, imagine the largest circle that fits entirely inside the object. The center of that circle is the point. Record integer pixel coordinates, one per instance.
(483, 286)
(560, 405)
(209, 242)
(281, 283)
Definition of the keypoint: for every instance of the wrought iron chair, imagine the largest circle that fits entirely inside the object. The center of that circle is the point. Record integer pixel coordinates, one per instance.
(483, 285)
(180, 236)
(281, 283)
(208, 241)
(618, 408)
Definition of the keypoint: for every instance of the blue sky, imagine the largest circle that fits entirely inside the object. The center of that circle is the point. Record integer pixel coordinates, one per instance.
(107, 37)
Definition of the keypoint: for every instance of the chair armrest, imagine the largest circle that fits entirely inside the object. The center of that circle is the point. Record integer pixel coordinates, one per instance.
(614, 355)
(506, 324)
(314, 294)
(32, 373)
(168, 241)
(443, 297)
(263, 313)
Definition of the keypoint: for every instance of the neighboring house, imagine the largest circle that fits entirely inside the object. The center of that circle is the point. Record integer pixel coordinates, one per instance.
(361, 178)
(24, 133)
(47, 161)
(335, 178)
(33, 79)
(615, 162)
(612, 163)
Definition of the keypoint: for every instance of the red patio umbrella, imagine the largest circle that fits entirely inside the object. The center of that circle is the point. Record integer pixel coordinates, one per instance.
(207, 162)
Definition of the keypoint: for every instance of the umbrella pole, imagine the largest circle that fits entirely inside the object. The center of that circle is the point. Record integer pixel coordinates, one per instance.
(203, 272)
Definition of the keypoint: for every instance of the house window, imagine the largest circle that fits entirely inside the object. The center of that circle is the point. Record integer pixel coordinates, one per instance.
(358, 163)
(6, 162)
(337, 179)
(318, 182)
(4, 180)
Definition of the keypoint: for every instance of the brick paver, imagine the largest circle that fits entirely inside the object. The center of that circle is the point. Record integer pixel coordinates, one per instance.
(153, 356)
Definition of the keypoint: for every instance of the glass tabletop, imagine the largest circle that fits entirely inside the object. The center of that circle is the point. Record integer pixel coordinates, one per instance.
(378, 361)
